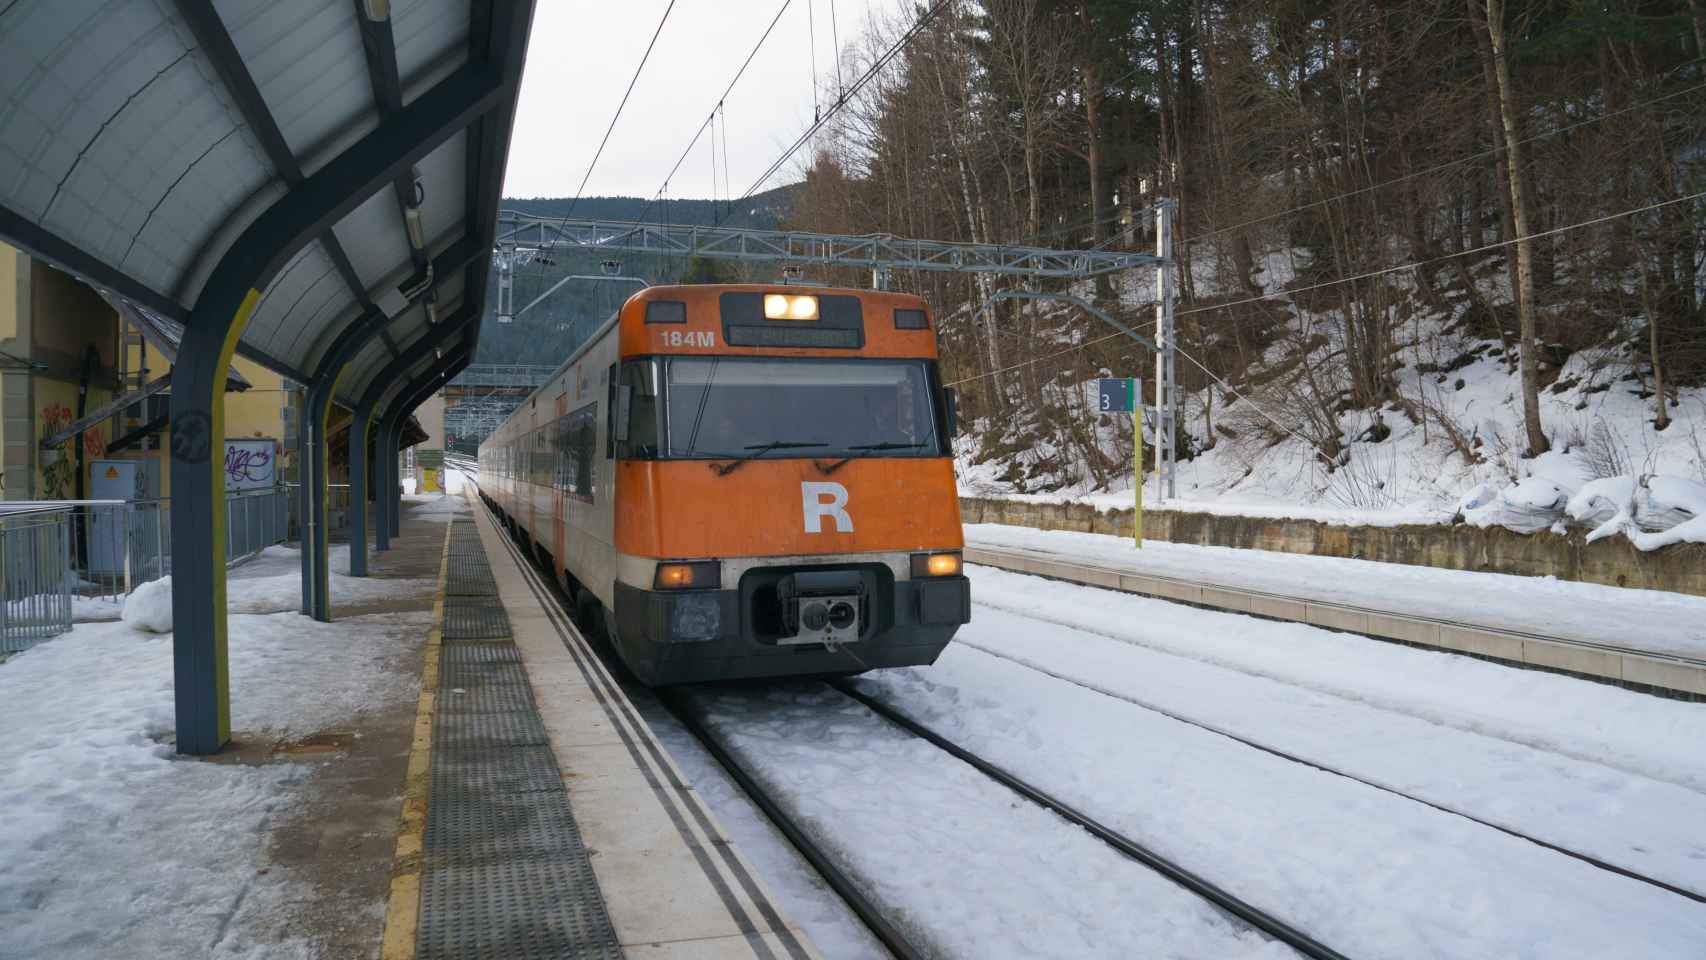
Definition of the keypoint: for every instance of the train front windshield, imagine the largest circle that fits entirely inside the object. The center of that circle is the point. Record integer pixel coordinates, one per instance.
(714, 407)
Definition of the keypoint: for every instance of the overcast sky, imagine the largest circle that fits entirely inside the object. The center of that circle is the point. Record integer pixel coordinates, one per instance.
(583, 52)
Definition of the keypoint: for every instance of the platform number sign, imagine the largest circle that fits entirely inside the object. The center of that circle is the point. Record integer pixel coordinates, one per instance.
(1118, 394)
(1125, 395)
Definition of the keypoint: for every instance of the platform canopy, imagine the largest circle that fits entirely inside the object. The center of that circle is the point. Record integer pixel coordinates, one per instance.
(312, 184)
(139, 140)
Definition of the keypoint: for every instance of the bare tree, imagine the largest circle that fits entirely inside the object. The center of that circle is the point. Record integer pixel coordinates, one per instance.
(1494, 23)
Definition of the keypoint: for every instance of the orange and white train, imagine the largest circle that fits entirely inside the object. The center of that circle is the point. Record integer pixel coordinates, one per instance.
(746, 481)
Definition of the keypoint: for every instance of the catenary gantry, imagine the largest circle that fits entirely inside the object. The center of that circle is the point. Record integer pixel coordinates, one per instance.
(313, 185)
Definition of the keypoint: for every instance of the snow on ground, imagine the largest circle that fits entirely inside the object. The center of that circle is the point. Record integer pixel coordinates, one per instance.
(803, 896)
(1649, 736)
(1640, 619)
(1368, 873)
(960, 864)
(436, 507)
(1598, 417)
(115, 847)
(90, 609)
(1647, 825)
(272, 582)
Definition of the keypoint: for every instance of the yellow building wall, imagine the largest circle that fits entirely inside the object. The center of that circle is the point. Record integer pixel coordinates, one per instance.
(8, 292)
(255, 412)
(65, 318)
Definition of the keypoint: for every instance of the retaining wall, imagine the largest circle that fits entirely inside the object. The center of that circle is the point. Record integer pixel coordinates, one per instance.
(1613, 561)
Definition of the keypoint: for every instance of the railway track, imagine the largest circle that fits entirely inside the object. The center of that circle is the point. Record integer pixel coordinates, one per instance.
(680, 704)
(1273, 751)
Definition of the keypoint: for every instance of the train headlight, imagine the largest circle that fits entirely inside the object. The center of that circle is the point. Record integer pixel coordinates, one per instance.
(789, 307)
(935, 565)
(697, 575)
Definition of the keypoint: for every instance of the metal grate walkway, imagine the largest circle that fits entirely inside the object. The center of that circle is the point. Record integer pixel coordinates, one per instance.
(505, 874)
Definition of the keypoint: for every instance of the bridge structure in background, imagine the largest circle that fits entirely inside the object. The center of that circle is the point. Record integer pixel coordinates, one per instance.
(483, 395)
(522, 238)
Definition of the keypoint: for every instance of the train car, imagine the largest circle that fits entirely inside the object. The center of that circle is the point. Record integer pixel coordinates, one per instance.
(746, 481)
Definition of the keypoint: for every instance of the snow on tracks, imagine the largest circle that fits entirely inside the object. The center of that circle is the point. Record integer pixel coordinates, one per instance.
(961, 864)
(1650, 736)
(1368, 872)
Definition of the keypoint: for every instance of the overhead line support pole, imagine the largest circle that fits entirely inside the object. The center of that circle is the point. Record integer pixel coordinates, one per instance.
(1166, 369)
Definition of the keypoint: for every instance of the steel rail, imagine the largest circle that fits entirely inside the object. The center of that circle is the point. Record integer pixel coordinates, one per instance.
(862, 907)
(868, 912)
(1254, 916)
(1586, 858)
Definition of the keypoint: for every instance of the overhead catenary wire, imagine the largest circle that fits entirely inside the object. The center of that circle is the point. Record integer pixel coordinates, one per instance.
(811, 45)
(1092, 220)
(835, 38)
(1281, 294)
(721, 100)
(1492, 151)
(619, 107)
(841, 101)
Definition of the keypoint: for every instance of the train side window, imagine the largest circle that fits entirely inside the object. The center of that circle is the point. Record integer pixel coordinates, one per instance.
(640, 376)
(610, 414)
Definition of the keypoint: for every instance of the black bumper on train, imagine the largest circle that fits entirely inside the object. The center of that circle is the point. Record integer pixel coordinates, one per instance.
(670, 637)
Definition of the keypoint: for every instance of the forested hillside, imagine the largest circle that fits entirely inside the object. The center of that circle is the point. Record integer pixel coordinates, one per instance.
(553, 327)
(1423, 243)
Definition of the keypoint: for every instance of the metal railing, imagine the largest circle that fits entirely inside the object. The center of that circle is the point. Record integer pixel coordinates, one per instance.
(35, 583)
(55, 552)
(337, 511)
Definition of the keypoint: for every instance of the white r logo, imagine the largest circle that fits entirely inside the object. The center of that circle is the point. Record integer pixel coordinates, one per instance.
(825, 500)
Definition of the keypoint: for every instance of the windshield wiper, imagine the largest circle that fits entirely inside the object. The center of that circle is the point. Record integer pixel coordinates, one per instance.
(759, 450)
(864, 448)
(886, 445)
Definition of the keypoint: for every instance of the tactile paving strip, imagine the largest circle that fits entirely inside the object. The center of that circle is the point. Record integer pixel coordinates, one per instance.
(514, 909)
(474, 618)
(517, 770)
(470, 575)
(504, 872)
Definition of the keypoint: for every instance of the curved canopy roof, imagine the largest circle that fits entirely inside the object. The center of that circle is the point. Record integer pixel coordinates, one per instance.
(139, 139)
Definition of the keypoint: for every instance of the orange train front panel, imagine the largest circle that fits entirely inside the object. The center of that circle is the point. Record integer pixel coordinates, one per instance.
(701, 329)
(685, 509)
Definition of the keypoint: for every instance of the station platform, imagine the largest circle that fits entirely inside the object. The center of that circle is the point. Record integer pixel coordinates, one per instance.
(541, 817)
(1637, 639)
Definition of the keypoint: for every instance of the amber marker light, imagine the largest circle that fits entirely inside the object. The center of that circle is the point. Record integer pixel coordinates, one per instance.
(935, 564)
(701, 574)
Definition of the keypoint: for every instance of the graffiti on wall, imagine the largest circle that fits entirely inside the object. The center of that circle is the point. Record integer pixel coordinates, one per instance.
(58, 466)
(250, 464)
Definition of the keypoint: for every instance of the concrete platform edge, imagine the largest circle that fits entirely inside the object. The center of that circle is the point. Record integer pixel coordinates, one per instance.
(1648, 673)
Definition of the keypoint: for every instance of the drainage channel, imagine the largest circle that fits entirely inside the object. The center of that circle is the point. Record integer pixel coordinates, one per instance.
(504, 872)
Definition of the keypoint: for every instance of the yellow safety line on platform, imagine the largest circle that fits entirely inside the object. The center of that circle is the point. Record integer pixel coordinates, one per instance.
(402, 915)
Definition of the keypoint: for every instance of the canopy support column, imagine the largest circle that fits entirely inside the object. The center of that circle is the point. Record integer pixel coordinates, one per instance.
(316, 531)
(428, 347)
(215, 324)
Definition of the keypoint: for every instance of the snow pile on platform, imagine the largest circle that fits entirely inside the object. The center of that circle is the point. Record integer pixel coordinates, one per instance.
(437, 507)
(115, 847)
(272, 582)
(149, 607)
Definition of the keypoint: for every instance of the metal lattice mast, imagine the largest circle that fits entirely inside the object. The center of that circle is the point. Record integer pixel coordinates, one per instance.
(520, 236)
(1166, 371)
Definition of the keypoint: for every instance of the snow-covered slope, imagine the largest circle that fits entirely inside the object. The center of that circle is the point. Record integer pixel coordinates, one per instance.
(1449, 442)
